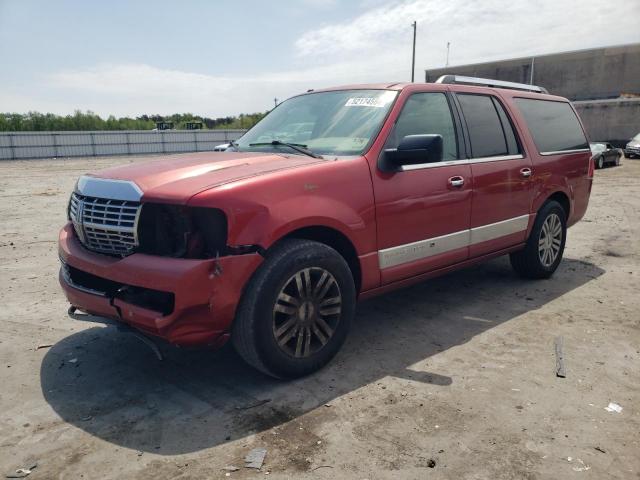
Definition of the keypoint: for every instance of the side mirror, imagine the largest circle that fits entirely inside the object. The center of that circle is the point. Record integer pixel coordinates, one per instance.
(414, 149)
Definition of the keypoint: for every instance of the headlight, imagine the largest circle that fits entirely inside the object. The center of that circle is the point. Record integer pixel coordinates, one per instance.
(182, 232)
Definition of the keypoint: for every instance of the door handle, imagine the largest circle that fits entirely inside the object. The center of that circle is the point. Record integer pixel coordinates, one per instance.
(456, 181)
(525, 172)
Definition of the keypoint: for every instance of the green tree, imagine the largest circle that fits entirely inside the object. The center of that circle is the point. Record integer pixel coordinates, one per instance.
(83, 121)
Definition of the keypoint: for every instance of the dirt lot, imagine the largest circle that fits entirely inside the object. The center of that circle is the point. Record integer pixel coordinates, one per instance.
(454, 378)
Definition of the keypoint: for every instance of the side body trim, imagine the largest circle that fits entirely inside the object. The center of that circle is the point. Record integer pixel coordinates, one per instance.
(393, 256)
(390, 257)
(418, 166)
(498, 229)
(564, 152)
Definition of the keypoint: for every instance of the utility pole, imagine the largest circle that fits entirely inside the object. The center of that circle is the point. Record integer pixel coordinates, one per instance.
(275, 102)
(533, 62)
(447, 62)
(413, 57)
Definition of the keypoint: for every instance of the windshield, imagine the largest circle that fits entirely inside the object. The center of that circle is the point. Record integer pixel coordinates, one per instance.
(339, 122)
(597, 147)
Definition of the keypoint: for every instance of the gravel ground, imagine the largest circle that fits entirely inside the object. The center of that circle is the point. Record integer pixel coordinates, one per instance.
(453, 378)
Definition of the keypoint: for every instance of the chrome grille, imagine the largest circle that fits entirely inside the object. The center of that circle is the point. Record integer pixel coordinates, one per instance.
(104, 225)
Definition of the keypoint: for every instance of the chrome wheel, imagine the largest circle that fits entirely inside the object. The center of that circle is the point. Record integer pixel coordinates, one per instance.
(307, 312)
(550, 240)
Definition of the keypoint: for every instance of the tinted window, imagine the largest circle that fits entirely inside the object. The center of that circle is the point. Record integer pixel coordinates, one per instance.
(507, 127)
(553, 125)
(426, 113)
(484, 126)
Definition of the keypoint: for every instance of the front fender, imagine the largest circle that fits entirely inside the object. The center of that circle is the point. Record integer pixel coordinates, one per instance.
(261, 210)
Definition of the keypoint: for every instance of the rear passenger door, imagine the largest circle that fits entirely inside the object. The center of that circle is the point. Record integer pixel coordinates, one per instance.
(502, 174)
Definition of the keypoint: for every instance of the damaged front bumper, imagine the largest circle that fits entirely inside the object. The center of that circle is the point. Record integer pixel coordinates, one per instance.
(184, 301)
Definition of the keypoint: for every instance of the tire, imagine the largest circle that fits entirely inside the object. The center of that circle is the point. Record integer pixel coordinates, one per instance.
(600, 163)
(618, 160)
(275, 304)
(531, 262)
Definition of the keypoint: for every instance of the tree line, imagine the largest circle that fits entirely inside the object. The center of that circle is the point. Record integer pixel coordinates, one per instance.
(35, 121)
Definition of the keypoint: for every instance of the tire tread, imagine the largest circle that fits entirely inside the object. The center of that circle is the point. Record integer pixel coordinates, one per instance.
(244, 336)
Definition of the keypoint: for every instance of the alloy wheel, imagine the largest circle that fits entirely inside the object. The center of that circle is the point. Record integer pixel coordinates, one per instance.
(550, 240)
(307, 312)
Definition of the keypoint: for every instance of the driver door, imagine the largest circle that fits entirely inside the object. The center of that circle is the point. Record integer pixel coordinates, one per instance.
(423, 211)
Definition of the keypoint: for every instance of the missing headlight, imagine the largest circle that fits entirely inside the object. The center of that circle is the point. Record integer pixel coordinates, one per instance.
(182, 232)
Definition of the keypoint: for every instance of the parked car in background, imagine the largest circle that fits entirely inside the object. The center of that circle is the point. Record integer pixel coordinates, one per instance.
(272, 244)
(604, 154)
(222, 147)
(633, 147)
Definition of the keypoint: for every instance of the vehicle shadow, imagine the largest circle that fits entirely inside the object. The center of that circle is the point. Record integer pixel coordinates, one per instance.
(117, 390)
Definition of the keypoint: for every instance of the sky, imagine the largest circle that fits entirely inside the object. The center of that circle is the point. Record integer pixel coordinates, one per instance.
(217, 58)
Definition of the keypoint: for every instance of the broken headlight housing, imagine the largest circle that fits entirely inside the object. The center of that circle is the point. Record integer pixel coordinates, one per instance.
(182, 232)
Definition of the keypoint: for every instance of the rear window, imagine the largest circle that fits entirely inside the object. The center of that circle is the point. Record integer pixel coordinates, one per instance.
(553, 125)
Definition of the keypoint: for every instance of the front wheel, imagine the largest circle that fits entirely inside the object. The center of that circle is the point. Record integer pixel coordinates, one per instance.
(296, 311)
(545, 245)
(600, 162)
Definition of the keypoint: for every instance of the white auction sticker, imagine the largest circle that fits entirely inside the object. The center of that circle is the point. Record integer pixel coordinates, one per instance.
(365, 102)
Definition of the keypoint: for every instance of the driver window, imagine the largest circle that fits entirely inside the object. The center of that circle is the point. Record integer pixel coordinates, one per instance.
(426, 113)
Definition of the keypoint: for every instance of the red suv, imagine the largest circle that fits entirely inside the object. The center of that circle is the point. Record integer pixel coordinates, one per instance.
(336, 195)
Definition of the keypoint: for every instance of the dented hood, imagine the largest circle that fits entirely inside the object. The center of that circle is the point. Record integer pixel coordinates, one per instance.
(177, 178)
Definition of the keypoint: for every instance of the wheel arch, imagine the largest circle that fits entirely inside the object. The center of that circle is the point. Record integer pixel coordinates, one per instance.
(563, 200)
(334, 239)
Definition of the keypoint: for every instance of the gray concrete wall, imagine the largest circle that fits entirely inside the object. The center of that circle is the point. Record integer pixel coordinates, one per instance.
(18, 145)
(614, 121)
(593, 79)
(581, 75)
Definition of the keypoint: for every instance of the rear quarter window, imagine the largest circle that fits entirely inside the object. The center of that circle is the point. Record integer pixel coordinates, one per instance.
(553, 125)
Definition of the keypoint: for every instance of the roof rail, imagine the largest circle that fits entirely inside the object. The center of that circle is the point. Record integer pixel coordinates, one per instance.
(487, 82)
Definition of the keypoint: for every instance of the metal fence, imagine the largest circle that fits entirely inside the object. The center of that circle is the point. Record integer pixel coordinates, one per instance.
(23, 145)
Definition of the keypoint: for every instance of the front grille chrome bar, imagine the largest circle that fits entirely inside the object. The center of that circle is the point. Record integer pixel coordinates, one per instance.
(105, 225)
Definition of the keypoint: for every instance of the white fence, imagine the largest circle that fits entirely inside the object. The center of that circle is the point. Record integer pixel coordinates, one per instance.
(23, 145)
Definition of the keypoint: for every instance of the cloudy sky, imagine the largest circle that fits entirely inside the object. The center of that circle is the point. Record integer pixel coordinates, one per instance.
(224, 57)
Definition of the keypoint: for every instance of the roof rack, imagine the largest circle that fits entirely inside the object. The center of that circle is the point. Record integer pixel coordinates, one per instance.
(487, 82)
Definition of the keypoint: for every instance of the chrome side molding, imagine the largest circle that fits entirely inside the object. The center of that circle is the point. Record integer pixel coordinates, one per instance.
(393, 256)
(463, 161)
(566, 152)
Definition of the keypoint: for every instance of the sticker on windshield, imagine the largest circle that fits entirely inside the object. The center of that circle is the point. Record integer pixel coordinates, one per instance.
(375, 102)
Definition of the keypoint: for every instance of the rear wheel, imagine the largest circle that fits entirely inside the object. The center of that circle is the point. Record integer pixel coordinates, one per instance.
(296, 311)
(600, 162)
(618, 160)
(545, 245)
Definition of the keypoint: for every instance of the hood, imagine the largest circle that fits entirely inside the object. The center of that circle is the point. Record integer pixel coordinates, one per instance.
(177, 178)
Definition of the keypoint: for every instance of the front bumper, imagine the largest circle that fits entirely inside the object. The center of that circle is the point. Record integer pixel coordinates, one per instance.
(632, 151)
(204, 293)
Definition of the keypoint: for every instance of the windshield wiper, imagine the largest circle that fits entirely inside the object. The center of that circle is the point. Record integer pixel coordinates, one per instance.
(298, 147)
